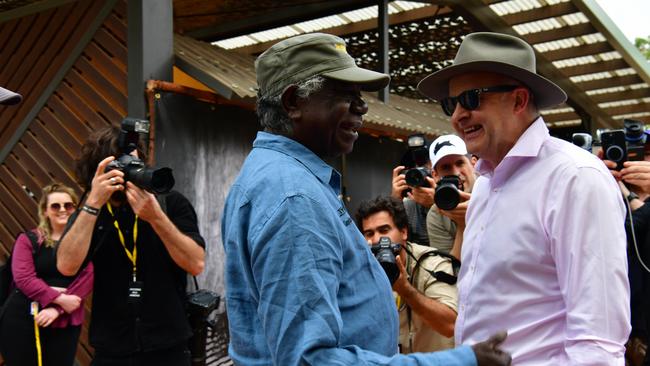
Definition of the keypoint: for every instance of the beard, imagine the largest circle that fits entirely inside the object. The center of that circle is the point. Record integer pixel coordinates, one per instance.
(118, 197)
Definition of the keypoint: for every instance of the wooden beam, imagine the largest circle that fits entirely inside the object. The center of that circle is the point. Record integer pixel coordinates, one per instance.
(357, 27)
(45, 94)
(628, 109)
(615, 37)
(609, 82)
(592, 68)
(556, 117)
(278, 18)
(560, 33)
(623, 95)
(33, 8)
(579, 51)
(544, 12)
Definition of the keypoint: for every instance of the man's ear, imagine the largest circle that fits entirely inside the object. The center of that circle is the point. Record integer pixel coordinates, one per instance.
(522, 100)
(290, 102)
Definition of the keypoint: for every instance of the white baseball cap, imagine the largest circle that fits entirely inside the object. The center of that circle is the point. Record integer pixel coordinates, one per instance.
(446, 145)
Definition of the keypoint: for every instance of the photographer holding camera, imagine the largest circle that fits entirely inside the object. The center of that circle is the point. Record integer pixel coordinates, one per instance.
(454, 171)
(412, 182)
(424, 280)
(140, 251)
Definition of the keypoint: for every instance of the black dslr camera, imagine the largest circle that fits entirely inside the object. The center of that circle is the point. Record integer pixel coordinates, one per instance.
(153, 180)
(385, 252)
(199, 306)
(416, 158)
(447, 194)
(626, 144)
(582, 140)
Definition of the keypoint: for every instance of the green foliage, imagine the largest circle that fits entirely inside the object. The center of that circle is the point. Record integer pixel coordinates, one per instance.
(643, 44)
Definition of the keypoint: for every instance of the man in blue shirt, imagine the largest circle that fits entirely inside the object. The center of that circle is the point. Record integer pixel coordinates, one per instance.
(302, 286)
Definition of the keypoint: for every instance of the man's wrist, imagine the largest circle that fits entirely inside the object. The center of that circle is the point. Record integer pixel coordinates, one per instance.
(90, 210)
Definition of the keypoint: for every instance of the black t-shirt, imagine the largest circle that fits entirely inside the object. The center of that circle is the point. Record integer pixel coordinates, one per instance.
(117, 326)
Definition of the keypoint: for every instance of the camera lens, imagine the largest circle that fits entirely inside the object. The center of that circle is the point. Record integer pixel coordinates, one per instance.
(633, 130)
(447, 196)
(614, 153)
(417, 177)
(154, 180)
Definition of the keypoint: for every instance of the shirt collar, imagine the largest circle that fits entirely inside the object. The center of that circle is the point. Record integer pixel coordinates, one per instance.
(325, 173)
(528, 145)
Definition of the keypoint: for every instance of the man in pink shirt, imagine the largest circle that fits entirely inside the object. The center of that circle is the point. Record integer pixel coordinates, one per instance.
(544, 248)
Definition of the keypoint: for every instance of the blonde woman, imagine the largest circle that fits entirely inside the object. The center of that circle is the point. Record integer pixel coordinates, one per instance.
(60, 298)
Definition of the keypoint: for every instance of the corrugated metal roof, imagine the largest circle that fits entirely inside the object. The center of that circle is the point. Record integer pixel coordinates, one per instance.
(316, 25)
(227, 73)
(232, 75)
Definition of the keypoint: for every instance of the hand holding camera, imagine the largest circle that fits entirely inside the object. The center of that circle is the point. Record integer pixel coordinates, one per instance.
(143, 203)
(423, 195)
(457, 214)
(398, 183)
(637, 173)
(104, 183)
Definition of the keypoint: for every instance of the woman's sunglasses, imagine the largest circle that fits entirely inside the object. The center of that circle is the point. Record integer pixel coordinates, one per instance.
(68, 206)
(471, 99)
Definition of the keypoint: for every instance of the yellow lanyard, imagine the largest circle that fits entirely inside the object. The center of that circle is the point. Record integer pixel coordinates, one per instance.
(132, 256)
(37, 335)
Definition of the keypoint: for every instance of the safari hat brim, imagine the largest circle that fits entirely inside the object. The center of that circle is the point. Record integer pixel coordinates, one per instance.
(497, 53)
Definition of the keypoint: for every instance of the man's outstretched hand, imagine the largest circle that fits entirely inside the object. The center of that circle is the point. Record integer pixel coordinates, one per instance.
(488, 352)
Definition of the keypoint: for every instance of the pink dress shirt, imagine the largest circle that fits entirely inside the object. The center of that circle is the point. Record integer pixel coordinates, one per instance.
(544, 256)
(24, 273)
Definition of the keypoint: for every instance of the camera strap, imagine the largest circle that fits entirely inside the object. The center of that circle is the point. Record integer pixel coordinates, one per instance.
(131, 255)
(438, 275)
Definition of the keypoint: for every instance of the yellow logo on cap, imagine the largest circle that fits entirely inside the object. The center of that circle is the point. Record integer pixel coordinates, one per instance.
(340, 47)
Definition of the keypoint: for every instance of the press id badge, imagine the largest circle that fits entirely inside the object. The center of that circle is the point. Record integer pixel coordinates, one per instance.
(135, 291)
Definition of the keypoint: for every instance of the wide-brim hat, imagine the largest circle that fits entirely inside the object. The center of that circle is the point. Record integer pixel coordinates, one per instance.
(498, 53)
(315, 54)
(8, 97)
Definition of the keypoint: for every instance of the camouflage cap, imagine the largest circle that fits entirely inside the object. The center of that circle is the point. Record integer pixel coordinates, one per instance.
(302, 57)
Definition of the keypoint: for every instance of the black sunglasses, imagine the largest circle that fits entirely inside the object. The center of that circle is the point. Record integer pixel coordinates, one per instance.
(471, 99)
(68, 206)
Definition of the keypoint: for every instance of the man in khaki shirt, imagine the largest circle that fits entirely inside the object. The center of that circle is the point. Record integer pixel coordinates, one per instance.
(426, 293)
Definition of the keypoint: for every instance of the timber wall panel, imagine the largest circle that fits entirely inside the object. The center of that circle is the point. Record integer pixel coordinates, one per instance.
(92, 95)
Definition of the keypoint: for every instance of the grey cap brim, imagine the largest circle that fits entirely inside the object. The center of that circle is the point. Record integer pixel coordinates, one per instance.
(546, 93)
(7, 97)
(367, 79)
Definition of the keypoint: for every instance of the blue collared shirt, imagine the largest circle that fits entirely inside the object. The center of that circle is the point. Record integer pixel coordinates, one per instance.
(302, 287)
